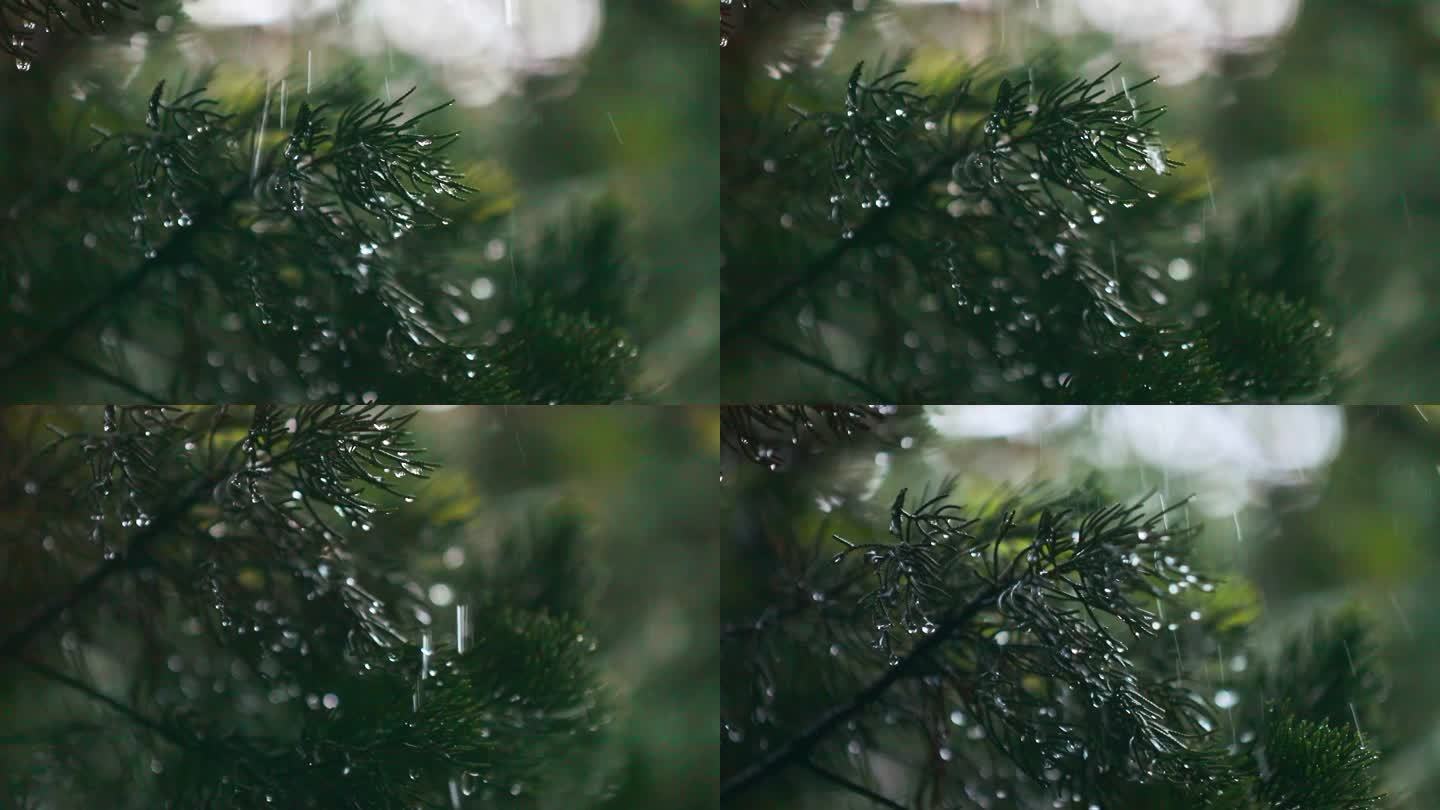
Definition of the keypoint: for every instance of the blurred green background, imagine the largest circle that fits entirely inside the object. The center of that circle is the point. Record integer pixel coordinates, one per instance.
(562, 105)
(641, 481)
(1305, 511)
(1341, 94)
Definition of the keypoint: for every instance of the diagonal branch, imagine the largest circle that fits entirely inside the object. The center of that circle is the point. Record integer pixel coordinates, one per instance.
(821, 365)
(132, 282)
(797, 749)
(13, 643)
(853, 787)
(170, 734)
(739, 327)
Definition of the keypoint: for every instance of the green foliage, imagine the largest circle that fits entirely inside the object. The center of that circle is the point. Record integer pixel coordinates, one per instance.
(241, 546)
(1329, 674)
(1316, 766)
(1028, 651)
(23, 22)
(490, 720)
(991, 236)
(1014, 620)
(235, 254)
(768, 434)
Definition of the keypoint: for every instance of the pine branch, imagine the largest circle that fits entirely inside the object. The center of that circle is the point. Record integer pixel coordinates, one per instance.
(797, 749)
(872, 227)
(293, 256)
(117, 294)
(861, 790)
(320, 449)
(991, 237)
(170, 735)
(1316, 766)
(15, 642)
(767, 434)
(485, 722)
(1017, 616)
(22, 20)
(248, 523)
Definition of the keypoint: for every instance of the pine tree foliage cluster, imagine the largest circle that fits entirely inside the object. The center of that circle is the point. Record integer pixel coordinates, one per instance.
(228, 618)
(767, 434)
(22, 22)
(982, 234)
(311, 241)
(1030, 650)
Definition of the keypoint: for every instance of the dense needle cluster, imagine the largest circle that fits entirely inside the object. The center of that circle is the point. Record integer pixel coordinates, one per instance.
(22, 21)
(990, 235)
(1030, 651)
(233, 547)
(262, 251)
(769, 434)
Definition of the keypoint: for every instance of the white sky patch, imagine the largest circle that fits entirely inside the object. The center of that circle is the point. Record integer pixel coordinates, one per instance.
(1179, 39)
(481, 49)
(1269, 441)
(1010, 421)
(877, 476)
(254, 12)
(1224, 454)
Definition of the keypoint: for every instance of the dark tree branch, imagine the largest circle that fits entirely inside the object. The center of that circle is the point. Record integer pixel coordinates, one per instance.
(17, 640)
(854, 787)
(169, 734)
(132, 282)
(816, 363)
(87, 367)
(797, 749)
(741, 325)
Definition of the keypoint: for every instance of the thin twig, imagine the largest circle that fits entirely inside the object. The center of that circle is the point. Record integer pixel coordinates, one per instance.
(797, 749)
(740, 326)
(853, 787)
(816, 363)
(83, 365)
(16, 641)
(134, 716)
(57, 337)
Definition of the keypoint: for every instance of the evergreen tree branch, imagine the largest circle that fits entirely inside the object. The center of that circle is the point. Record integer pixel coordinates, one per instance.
(1024, 619)
(992, 237)
(1315, 766)
(291, 259)
(256, 521)
(797, 748)
(744, 323)
(13, 643)
(21, 20)
(767, 434)
(116, 294)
